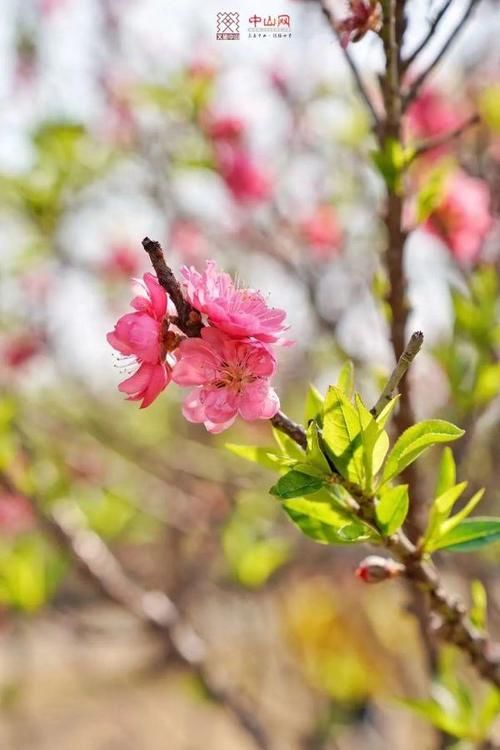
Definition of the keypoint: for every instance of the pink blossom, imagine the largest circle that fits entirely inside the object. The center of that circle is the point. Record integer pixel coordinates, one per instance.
(231, 377)
(364, 16)
(147, 383)
(322, 232)
(121, 262)
(225, 128)
(21, 349)
(462, 219)
(141, 335)
(431, 115)
(239, 312)
(246, 180)
(16, 514)
(188, 240)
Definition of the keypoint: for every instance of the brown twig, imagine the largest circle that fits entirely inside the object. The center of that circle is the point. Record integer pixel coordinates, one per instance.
(427, 38)
(189, 319)
(410, 352)
(421, 79)
(444, 138)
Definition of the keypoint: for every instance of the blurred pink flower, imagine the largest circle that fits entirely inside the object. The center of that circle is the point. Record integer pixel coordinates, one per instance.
(224, 128)
(462, 219)
(201, 68)
(239, 312)
(322, 232)
(231, 378)
(47, 7)
(147, 383)
(246, 180)
(16, 514)
(432, 115)
(122, 261)
(188, 240)
(141, 335)
(21, 349)
(364, 16)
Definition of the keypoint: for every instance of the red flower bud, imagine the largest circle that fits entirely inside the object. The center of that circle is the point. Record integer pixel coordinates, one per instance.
(374, 569)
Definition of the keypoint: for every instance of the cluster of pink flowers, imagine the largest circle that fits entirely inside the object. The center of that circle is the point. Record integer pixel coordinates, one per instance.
(461, 216)
(230, 365)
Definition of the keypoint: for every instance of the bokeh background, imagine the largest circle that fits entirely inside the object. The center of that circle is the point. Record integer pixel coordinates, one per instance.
(121, 119)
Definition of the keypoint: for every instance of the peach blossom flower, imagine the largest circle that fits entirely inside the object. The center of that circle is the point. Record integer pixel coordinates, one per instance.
(231, 377)
(140, 335)
(239, 312)
(462, 219)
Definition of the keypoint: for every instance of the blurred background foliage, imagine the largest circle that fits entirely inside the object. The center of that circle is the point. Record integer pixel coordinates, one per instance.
(126, 119)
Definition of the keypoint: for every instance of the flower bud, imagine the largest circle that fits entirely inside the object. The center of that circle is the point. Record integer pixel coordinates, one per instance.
(374, 569)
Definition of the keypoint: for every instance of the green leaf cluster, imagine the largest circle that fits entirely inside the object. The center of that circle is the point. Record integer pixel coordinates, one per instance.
(454, 707)
(347, 461)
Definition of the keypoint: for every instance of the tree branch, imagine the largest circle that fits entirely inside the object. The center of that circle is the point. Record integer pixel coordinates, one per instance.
(427, 38)
(189, 319)
(453, 624)
(411, 350)
(420, 80)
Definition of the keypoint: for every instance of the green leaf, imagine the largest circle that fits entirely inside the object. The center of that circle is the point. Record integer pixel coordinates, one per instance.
(489, 711)
(315, 455)
(325, 524)
(342, 435)
(471, 534)
(431, 193)
(267, 457)
(479, 609)
(295, 484)
(314, 404)
(452, 522)
(438, 716)
(446, 472)
(375, 443)
(386, 412)
(391, 161)
(489, 107)
(345, 380)
(440, 510)
(415, 440)
(288, 446)
(392, 509)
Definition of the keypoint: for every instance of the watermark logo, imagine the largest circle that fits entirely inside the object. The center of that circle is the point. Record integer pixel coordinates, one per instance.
(277, 27)
(228, 25)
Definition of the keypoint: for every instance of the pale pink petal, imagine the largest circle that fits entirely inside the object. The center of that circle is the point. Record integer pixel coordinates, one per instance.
(220, 404)
(215, 429)
(259, 401)
(192, 408)
(196, 363)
